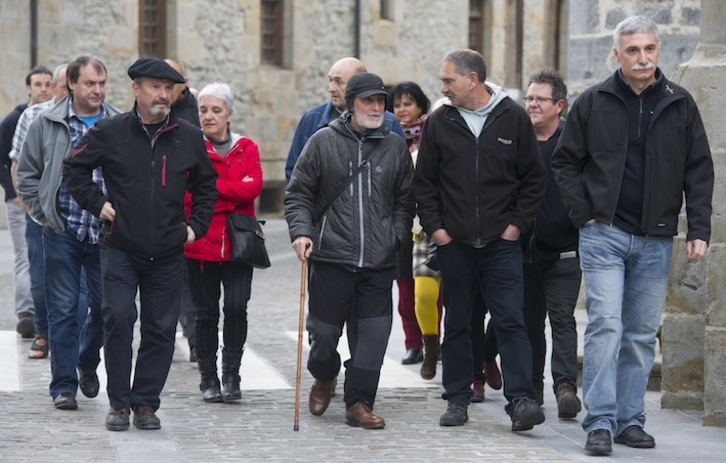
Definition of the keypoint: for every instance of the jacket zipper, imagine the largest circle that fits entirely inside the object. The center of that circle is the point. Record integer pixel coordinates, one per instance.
(361, 227)
(163, 170)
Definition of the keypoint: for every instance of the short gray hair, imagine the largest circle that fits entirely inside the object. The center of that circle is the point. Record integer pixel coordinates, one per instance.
(466, 61)
(57, 71)
(634, 25)
(221, 91)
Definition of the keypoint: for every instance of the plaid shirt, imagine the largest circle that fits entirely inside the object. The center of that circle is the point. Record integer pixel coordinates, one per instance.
(21, 129)
(80, 222)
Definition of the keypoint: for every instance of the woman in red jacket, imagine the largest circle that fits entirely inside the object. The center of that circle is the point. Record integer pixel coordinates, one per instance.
(237, 162)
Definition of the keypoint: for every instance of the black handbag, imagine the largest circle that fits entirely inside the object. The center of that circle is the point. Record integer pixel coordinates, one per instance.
(248, 241)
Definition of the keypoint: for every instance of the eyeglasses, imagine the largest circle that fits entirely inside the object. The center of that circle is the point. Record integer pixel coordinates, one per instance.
(537, 99)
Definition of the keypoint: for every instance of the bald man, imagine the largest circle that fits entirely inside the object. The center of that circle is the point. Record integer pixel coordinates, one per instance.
(184, 103)
(319, 116)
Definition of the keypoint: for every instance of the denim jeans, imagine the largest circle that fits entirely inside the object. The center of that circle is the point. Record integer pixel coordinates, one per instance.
(21, 268)
(625, 285)
(36, 257)
(496, 271)
(65, 260)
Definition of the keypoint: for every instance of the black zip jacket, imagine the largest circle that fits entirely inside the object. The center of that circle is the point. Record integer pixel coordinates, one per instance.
(475, 187)
(589, 160)
(146, 182)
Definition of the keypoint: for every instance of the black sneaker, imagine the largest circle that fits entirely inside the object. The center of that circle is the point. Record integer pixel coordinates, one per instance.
(526, 414)
(455, 415)
(634, 436)
(145, 418)
(118, 420)
(88, 383)
(598, 442)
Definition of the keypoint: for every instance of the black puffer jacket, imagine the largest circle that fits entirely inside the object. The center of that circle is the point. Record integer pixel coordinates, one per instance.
(365, 225)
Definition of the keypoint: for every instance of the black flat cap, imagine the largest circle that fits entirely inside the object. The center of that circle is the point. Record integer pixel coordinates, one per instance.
(363, 85)
(156, 68)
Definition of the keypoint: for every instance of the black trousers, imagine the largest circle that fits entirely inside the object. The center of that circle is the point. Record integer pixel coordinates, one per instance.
(157, 281)
(551, 289)
(205, 282)
(483, 341)
(363, 300)
(496, 271)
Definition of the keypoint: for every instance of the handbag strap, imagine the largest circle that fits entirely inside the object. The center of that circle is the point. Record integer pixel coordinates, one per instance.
(339, 189)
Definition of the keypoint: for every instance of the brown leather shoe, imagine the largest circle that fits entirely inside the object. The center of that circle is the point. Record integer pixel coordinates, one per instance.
(360, 415)
(320, 396)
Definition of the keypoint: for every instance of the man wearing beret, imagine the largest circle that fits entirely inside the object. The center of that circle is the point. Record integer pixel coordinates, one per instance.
(70, 233)
(349, 205)
(149, 158)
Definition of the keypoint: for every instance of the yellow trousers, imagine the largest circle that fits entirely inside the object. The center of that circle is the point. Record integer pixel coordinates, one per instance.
(426, 297)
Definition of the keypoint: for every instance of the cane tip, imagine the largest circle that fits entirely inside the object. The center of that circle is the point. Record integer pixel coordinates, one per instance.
(296, 427)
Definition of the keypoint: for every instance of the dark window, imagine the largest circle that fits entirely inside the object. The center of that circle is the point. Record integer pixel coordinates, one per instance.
(386, 12)
(476, 25)
(272, 21)
(152, 28)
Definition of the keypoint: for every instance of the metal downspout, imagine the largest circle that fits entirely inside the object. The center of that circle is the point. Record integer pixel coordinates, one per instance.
(357, 28)
(33, 33)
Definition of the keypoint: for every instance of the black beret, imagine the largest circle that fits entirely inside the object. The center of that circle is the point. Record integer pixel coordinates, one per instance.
(156, 68)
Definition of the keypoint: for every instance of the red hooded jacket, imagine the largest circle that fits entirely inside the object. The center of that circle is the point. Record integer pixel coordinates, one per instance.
(239, 183)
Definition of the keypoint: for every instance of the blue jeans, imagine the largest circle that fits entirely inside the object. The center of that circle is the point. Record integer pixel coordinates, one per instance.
(36, 257)
(496, 271)
(625, 285)
(65, 260)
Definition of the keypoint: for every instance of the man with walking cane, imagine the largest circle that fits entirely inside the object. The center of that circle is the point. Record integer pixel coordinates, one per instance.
(348, 206)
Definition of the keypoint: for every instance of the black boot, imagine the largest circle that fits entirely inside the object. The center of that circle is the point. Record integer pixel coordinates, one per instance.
(230, 376)
(210, 383)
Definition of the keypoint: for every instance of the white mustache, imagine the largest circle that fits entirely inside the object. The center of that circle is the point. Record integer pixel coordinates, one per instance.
(643, 67)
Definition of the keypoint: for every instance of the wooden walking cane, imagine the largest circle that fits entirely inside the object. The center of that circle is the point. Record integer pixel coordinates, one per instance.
(303, 282)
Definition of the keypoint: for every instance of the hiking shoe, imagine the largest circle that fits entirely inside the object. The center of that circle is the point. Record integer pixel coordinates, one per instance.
(598, 442)
(455, 415)
(568, 404)
(526, 414)
(118, 420)
(145, 418)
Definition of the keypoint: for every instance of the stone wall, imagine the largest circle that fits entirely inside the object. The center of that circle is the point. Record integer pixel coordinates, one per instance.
(694, 329)
(592, 22)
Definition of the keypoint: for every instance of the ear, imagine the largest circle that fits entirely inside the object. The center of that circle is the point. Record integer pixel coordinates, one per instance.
(560, 106)
(616, 54)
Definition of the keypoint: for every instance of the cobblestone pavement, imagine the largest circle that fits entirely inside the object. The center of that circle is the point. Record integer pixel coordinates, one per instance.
(260, 427)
